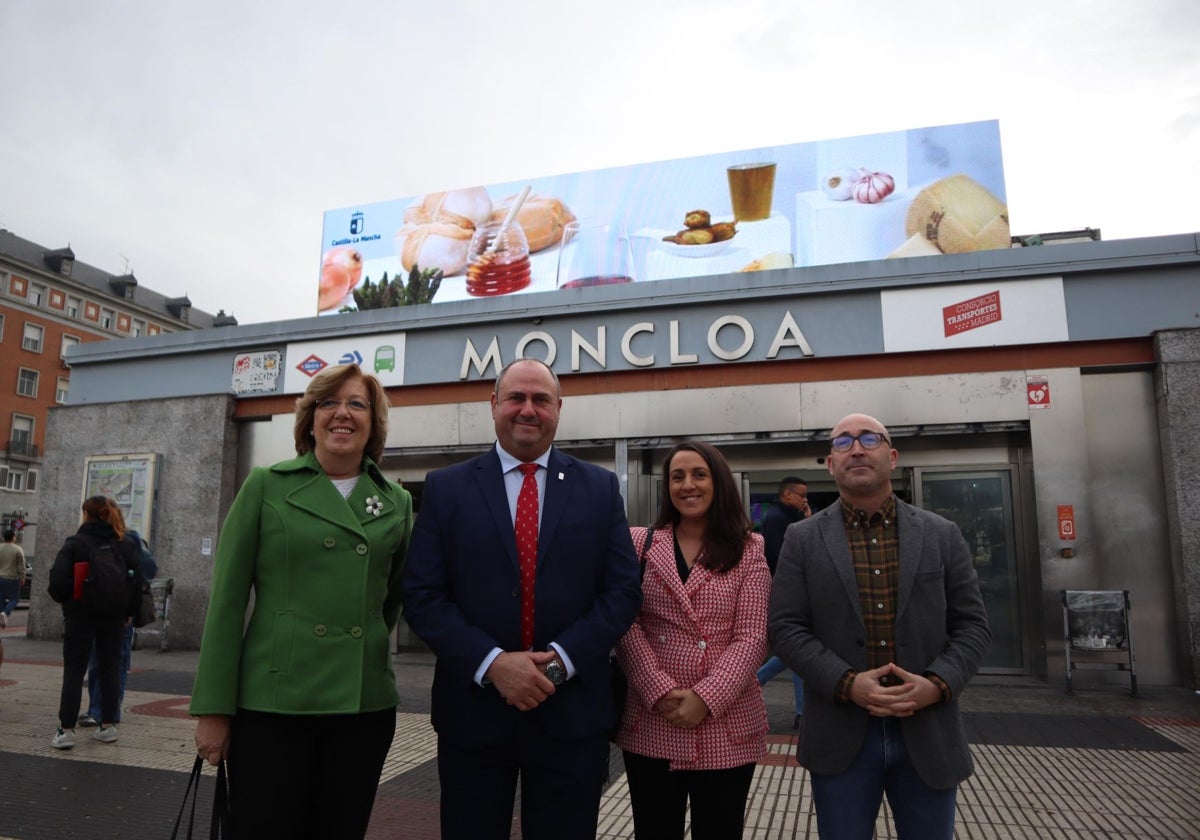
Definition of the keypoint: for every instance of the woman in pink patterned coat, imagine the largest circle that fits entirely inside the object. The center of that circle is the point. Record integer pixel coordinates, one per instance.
(694, 722)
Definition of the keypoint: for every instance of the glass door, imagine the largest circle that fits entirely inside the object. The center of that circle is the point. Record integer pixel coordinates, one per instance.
(980, 502)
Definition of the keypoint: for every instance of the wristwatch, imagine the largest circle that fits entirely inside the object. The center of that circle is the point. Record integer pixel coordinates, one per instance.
(556, 673)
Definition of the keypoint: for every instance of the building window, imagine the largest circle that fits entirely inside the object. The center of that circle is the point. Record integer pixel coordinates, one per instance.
(27, 382)
(32, 339)
(68, 341)
(22, 434)
(31, 481)
(106, 318)
(139, 327)
(18, 286)
(15, 480)
(37, 294)
(73, 304)
(60, 393)
(91, 311)
(1, 326)
(122, 322)
(57, 299)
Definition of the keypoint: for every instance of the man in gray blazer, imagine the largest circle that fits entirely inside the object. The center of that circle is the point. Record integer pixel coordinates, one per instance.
(876, 605)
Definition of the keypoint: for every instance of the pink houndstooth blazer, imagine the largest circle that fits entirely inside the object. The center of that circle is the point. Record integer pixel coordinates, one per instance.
(709, 635)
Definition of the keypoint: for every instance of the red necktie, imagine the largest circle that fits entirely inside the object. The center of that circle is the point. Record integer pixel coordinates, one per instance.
(527, 545)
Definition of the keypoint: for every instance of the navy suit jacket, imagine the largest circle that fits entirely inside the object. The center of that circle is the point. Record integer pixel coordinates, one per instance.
(462, 593)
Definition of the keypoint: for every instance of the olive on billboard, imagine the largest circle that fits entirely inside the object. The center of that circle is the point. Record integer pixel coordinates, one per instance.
(917, 192)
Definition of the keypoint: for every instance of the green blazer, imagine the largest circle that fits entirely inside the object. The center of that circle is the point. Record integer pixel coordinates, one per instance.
(325, 572)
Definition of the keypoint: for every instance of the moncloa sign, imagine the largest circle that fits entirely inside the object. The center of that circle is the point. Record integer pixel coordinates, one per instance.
(728, 338)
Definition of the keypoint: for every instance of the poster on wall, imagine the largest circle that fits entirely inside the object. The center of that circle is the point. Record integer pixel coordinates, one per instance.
(916, 192)
(127, 479)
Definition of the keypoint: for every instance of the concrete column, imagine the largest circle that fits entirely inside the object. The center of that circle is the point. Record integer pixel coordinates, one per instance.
(1177, 396)
(196, 442)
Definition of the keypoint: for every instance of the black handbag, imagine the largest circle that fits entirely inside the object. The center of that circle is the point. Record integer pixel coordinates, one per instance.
(620, 681)
(218, 828)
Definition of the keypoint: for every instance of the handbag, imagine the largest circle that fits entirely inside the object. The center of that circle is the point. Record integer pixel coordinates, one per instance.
(218, 828)
(146, 611)
(620, 680)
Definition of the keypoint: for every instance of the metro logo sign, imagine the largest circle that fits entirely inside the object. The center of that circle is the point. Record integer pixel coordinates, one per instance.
(971, 314)
(313, 365)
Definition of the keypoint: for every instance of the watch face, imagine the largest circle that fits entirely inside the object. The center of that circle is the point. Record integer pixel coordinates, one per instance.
(555, 673)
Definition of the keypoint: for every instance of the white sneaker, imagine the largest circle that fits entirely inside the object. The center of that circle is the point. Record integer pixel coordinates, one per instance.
(107, 734)
(63, 739)
(3, 620)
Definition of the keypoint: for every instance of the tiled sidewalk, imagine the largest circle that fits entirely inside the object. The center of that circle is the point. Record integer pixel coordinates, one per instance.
(1120, 784)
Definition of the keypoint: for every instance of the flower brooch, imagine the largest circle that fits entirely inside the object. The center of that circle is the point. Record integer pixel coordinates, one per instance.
(374, 506)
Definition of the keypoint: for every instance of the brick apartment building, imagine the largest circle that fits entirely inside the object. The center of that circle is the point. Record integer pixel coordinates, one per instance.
(50, 301)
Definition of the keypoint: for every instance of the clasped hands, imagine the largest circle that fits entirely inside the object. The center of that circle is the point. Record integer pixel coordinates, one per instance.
(520, 677)
(913, 694)
(682, 707)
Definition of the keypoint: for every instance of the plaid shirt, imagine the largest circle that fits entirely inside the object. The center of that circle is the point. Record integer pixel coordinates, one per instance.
(875, 551)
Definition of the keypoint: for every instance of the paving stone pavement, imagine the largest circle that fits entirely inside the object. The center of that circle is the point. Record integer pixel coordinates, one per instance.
(1099, 764)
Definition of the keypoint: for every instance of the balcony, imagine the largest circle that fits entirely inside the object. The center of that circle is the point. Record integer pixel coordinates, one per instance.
(19, 448)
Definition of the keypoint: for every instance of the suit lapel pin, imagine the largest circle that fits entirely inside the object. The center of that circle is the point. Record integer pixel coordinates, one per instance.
(561, 476)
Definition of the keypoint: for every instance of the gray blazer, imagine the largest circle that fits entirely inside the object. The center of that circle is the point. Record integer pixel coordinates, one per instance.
(816, 627)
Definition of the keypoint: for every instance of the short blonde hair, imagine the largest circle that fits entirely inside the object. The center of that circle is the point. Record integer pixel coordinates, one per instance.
(323, 387)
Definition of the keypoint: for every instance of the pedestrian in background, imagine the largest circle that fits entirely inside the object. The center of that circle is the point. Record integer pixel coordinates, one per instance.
(12, 575)
(694, 723)
(301, 699)
(149, 570)
(791, 506)
(87, 623)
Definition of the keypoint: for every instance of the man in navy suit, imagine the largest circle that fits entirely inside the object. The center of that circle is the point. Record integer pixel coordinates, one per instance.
(876, 604)
(501, 707)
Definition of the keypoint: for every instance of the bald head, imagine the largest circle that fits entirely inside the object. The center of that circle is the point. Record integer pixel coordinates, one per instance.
(861, 462)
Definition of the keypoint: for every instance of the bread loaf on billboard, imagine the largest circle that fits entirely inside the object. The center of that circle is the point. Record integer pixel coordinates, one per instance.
(542, 217)
(958, 215)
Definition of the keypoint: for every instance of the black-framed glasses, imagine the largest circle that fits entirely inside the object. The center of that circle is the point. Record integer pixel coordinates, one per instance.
(354, 404)
(869, 440)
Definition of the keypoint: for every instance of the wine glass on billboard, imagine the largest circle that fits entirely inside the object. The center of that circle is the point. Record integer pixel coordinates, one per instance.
(594, 252)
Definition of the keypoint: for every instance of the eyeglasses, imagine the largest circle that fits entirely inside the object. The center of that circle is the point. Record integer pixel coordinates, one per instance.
(356, 405)
(869, 440)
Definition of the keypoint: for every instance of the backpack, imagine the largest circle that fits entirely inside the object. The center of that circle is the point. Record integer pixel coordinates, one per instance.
(109, 584)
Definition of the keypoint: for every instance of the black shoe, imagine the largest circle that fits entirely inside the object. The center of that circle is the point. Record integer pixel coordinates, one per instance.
(796, 722)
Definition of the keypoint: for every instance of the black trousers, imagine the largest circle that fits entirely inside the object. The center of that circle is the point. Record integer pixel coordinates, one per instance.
(81, 630)
(561, 783)
(306, 776)
(659, 797)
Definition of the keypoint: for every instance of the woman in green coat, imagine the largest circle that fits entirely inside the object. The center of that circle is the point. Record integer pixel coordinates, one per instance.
(300, 696)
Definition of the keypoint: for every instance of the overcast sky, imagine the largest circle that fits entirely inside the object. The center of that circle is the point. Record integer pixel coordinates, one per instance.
(198, 144)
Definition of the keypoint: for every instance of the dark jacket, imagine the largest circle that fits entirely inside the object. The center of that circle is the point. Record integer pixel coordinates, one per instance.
(78, 549)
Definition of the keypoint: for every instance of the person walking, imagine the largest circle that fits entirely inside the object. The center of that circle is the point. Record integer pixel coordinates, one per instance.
(877, 606)
(91, 616)
(149, 569)
(12, 575)
(791, 506)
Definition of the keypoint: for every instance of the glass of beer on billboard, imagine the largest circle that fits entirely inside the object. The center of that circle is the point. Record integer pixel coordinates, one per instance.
(594, 252)
(751, 188)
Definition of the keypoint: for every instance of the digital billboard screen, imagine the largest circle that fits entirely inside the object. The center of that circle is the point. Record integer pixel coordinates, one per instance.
(915, 192)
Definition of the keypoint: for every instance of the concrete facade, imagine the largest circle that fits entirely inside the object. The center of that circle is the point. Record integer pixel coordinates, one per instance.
(197, 481)
(1177, 395)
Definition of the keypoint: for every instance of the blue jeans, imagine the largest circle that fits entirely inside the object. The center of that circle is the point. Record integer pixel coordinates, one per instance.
(848, 803)
(10, 593)
(123, 665)
(772, 668)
